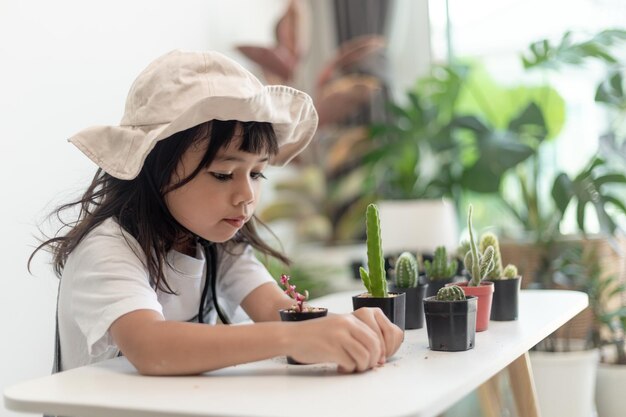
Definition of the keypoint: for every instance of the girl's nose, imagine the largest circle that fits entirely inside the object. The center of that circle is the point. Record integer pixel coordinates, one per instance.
(244, 194)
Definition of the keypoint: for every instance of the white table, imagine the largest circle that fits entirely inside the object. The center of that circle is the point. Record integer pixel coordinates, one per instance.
(416, 382)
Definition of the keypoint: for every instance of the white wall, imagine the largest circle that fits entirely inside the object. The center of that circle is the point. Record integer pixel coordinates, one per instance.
(66, 65)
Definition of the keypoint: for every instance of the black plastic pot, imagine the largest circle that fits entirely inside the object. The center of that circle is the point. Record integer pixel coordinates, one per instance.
(435, 285)
(504, 306)
(451, 325)
(393, 306)
(290, 315)
(414, 306)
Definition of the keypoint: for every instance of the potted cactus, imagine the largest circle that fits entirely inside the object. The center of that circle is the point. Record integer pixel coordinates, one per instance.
(478, 264)
(506, 282)
(375, 277)
(406, 280)
(440, 271)
(299, 311)
(450, 320)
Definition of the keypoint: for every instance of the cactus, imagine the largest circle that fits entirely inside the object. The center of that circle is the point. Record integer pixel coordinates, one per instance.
(406, 271)
(489, 239)
(451, 293)
(374, 279)
(477, 264)
(440, 268)
(510, 272)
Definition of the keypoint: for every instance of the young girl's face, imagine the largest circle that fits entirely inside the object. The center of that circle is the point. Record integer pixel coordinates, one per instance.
(218, 201)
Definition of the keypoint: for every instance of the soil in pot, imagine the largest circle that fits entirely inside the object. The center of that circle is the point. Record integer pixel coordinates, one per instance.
(451, 325)
(393, 306)
(504, 306)
(292, 315)
(484, 293)
(414, 307)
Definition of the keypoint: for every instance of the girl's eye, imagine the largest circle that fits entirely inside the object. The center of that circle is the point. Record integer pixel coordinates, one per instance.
(222, 177)
(257, 175)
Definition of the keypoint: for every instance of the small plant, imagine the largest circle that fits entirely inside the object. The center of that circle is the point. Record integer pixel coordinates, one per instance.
(451, 293)
(406, 271)
(440, 268)
(510, 272)
(498, 272)
(290, 290)
(375, 280)
(478, 264)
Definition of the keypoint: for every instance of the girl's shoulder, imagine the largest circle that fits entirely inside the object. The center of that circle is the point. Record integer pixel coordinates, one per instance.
(108, 237)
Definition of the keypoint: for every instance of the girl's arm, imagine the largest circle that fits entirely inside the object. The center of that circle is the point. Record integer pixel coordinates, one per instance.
(156, 346)
(263, 303)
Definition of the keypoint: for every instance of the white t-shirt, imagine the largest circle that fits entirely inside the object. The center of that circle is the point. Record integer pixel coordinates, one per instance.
(104, 279)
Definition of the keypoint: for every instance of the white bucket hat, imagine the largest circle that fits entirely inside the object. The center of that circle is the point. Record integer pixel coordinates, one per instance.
(183, 89)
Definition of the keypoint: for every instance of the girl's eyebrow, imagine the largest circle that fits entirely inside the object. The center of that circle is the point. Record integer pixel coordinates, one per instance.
(232, 158)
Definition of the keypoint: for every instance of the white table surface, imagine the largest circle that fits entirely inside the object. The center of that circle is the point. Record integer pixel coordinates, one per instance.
(415, 382)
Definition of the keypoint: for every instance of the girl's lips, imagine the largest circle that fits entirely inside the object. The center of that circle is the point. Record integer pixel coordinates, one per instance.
(236, 222)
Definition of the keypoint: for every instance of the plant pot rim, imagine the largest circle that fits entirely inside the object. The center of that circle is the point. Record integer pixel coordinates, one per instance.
(395, 287)
(503, 279)
(368, 295)
(466, 284)
(432, 299)
(314, 310)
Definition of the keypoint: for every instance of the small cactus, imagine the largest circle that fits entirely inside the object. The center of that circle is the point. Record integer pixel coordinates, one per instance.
(440, 268)
(374, 278)
(510, 272)
(406, 271)
(451, 293)
(489, 239)
(477, 264)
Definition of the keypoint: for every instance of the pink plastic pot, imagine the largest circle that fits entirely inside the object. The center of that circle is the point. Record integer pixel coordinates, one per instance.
(484, 292)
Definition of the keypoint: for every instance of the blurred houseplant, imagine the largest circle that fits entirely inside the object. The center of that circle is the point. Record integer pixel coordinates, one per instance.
(597, 187)
(324, 199)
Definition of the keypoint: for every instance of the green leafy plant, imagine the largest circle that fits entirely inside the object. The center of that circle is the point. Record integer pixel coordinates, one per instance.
(594, 184)
(440, 267)
(406, 272)
(374, 278)
(478, 264)
(447, 139)
(450, 293)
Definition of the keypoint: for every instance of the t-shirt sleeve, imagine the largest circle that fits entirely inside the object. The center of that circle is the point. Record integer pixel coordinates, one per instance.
(239, 273)
(107, 281)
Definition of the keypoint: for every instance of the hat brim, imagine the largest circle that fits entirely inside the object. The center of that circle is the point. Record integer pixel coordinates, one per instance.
(291, 113)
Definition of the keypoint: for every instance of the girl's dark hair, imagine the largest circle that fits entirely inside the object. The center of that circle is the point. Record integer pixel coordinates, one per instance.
(138, 204)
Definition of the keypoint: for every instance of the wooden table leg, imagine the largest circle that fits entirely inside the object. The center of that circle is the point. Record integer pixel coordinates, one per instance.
(523, 387)
(490, 398)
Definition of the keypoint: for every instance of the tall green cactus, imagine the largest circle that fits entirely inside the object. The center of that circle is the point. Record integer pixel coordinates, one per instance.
(440, 268)
(406, 271)
(477, 264)
(451, 293)
(489, 239)
(375, 280)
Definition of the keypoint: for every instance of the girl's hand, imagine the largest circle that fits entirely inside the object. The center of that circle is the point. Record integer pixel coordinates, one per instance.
(390, 335)
(355, 342)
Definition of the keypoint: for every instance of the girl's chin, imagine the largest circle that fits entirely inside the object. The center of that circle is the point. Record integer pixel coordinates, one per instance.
(220, 236)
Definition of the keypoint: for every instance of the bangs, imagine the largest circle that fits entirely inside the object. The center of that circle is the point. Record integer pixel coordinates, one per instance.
(256, 137)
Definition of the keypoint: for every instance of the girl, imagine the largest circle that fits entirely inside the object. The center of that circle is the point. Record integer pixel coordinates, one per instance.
(167, 224)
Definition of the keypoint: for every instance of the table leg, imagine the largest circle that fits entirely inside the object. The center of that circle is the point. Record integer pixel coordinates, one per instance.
(523, 387)
(490, 398)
